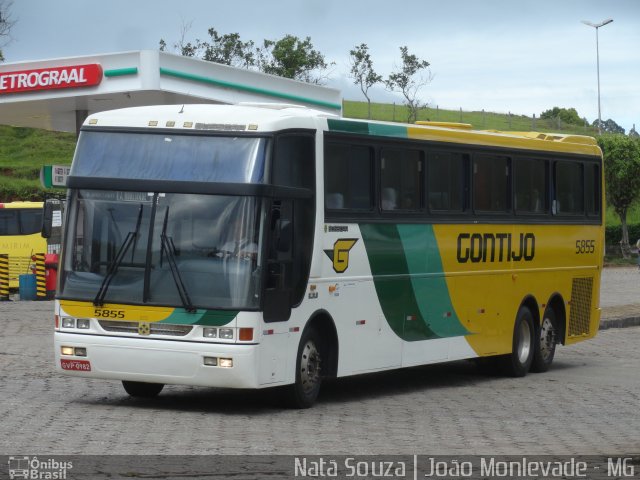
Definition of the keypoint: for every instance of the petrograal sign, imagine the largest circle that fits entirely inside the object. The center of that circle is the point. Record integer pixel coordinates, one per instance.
(50, 78)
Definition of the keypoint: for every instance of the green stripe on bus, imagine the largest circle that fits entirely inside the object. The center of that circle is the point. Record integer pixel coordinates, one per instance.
(384, 130)
(393, 284)
(212, 318)
(336, 125)
(428, 281)
(366, 128)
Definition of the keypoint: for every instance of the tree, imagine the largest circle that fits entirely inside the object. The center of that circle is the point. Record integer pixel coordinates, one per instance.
(185, 48)
(362, 72)
(408, 80)
(291, 57)
(6, 24)
(228, 49)
(566, 115)
(622, 177)
(609, 126)
(633, 132)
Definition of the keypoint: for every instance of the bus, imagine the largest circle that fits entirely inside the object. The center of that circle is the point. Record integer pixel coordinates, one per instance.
(20, 236)
(374, 246)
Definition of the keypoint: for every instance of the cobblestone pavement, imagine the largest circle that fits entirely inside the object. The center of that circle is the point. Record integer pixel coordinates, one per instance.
(620, 294)
(586, 404)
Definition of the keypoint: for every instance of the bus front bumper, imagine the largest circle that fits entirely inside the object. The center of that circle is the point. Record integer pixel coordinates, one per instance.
(157, 361)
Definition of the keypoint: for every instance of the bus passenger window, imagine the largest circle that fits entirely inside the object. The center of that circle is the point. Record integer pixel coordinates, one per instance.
(491, 184)
(569, 188)
(446, 181)
(530, 186)
(592, 185)
(401, 179)
(347, 177)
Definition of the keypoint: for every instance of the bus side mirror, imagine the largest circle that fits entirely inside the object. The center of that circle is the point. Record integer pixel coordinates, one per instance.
(47, 220)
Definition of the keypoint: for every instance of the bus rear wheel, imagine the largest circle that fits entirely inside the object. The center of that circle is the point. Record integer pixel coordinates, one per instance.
(545, 345)
(142, 389)
(304, 392)
(518, 362)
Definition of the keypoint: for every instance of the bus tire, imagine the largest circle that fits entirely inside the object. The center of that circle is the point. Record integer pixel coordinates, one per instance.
(304, 391)
(518, 362)
(142, 389)
(545, 343)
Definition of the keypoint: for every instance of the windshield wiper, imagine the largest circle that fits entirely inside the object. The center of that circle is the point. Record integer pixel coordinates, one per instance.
(168, 247)
(131, 238)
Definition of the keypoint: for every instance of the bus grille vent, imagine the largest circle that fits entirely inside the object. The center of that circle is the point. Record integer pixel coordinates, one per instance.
(580, 312)
(155, 328)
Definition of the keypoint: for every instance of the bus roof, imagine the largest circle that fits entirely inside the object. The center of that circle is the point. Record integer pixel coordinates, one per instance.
(462, 134)
(258, 117)
(268, 117)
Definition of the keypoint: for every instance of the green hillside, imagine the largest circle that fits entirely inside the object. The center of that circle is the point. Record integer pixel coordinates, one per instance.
(479, 120)
(22, 152)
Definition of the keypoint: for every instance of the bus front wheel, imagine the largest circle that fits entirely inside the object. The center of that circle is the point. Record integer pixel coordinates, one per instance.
(545, 345)
(304, 392)
(518, 362)
(142, 389)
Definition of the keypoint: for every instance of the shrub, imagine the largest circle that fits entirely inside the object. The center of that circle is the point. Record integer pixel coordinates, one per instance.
(613, 234)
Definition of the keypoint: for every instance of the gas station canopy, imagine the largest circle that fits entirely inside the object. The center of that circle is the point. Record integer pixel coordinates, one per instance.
(58, 94)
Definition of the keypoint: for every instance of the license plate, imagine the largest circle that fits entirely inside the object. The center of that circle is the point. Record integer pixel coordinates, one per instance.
(80, 365)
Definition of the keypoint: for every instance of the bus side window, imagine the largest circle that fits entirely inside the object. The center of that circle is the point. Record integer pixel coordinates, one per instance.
(401, 179)
(530, 186)
(569, 188)
(446, 180)
(592, 189)
(347, 177)
(491, 193)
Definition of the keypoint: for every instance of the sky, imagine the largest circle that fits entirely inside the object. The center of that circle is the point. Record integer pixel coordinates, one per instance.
(518, 56)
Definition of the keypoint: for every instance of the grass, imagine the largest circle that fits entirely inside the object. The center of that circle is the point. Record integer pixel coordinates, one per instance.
(479, 120)
(612, 219)
(23, 151)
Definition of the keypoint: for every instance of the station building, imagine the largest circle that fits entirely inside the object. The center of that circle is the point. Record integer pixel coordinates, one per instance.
(59, 94)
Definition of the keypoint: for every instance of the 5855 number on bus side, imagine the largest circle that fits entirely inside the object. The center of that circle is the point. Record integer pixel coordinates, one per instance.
(585, 246)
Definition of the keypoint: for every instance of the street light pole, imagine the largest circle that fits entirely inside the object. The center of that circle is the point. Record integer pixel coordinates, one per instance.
(597, 26)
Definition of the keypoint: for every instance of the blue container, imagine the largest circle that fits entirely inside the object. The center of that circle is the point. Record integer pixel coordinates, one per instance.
(27, 287)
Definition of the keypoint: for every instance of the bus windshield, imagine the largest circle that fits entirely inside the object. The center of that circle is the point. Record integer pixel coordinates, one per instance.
(186, 250)
(144, 156)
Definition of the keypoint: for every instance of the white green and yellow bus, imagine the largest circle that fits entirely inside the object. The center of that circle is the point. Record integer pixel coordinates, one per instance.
(20, 237)
(254, 246)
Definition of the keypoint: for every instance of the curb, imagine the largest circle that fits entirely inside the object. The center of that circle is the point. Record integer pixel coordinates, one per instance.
(607, 323)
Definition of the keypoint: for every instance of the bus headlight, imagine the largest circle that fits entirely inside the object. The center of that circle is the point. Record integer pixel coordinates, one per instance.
(226, 333)
(68, 322)
(209, 332)
(83, 323)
